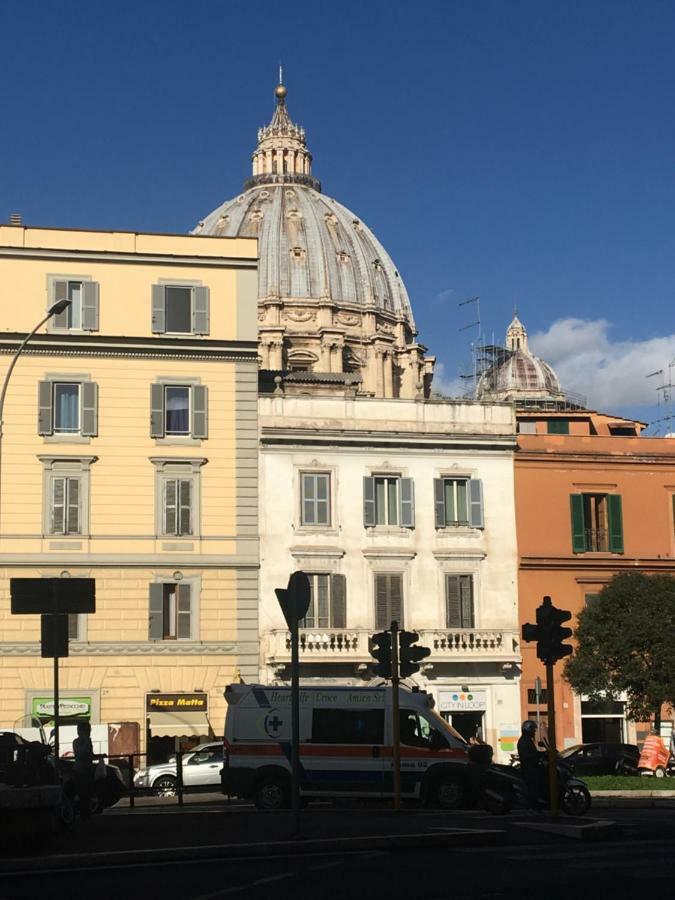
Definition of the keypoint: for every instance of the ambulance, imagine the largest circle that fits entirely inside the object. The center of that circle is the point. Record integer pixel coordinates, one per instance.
(345, 746)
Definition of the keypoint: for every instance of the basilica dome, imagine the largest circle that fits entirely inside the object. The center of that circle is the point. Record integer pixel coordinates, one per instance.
(330, 299)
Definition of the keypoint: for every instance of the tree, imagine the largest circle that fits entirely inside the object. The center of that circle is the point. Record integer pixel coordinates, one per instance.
(626, 643)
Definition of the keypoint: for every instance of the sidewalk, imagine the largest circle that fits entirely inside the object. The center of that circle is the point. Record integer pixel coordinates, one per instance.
(632, 799)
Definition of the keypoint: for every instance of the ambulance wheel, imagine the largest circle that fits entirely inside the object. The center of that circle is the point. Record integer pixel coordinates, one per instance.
(271, 793)
(448, 793)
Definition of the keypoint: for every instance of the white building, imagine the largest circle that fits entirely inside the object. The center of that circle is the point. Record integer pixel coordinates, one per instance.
(397, 505)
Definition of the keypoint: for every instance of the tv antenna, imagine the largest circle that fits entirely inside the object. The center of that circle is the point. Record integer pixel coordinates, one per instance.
(664, 395)
(475, 344)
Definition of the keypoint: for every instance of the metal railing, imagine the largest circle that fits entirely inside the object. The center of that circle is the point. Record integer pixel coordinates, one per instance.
(597, 540)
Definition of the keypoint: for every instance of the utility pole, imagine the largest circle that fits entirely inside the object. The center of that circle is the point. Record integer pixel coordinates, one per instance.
(396, 718)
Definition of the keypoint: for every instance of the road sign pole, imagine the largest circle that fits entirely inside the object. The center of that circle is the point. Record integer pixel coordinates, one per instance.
(57, 750)
(295, 728)
(396, 719)
(552, 744)
(537, 697)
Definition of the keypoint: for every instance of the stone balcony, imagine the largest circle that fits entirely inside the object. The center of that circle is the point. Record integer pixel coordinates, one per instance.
(350, 645)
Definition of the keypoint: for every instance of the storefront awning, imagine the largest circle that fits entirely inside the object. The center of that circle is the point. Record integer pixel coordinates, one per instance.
(179, 724)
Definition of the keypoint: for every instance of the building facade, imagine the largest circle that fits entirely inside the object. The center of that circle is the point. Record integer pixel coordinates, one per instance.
(129, 455)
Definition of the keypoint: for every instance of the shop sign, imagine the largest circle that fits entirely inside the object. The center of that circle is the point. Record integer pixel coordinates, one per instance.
(462, 701)
(176, 702)
(69, 708)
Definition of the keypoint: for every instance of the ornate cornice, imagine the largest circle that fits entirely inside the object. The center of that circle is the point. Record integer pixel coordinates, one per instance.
(127, 648)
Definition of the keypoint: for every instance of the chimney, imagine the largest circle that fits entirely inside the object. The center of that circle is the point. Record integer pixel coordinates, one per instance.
(16, 219)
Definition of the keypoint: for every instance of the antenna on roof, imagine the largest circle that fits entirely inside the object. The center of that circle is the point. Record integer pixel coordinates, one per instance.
(476, 347)
(664, 394)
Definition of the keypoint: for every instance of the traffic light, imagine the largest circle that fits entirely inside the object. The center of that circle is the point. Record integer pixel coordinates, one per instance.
(549, 633)
(379, 646)
(409, 656)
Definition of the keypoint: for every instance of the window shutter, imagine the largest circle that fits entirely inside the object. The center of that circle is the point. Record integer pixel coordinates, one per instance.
(200, 311)
(406, 502)
(157, 410)
(89, 306)
(185, 502)
(89, 410)
(58, 523)
(382, 619)
(158, 308)
(170, 506)
(199, 425)
(184, 611)
(59, 292)
(156, 617)
(466, 597)
(396, 599)
(338, 601)
(476, 503)
(73, 513)
(45, 417)
(614, 514)
(322, 604)
(578, 525)
(368, 502)
(439, 502)
(453, 603)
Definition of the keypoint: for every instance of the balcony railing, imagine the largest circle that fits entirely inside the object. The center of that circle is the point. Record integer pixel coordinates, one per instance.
(596, 540)
(350, 645)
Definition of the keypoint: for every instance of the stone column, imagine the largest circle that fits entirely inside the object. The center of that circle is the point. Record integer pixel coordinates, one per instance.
(276, 355)
(379, 372)
(388, 375)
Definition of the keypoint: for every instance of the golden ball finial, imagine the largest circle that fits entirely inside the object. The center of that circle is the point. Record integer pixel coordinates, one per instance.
(280, 91)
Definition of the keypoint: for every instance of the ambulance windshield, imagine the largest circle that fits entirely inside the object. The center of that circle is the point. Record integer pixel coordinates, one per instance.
(444, 727)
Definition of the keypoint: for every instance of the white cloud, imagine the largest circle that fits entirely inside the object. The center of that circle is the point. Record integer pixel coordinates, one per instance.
(611, 374)
(449, 387)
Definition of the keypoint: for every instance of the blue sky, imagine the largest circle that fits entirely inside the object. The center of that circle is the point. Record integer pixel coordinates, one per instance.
(519, 151)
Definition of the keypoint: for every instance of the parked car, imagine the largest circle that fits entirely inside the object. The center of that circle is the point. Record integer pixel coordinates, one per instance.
(201, 768)
(602, 758)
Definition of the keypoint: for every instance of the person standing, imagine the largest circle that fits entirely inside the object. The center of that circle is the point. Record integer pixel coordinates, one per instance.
(83, 768)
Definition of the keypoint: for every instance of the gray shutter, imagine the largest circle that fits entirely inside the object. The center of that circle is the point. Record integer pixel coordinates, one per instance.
(183, 611)
(73, 512)
(156, 617)
(369, 502)
(199, 427)
(170, 506)
(406, 500)
(200, 310)
(381, 602)
(89, 306)
(452, 600)
(338, 590)
(185, 506)
(158, 309)
(89, 409)
(45, 398)
(396, 599)
(157, 410)
(58, 511)
(439, 502)
(59, 292)
(476, 503)
(322, 601)
(466, 597)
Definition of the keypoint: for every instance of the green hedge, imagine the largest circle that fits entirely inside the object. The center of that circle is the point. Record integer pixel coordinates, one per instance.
(628, 783)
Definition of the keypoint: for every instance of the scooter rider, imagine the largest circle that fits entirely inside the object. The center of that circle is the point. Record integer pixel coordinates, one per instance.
(531, 763)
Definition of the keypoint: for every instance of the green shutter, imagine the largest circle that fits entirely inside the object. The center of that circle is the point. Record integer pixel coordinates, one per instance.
(558, 426)
(614, 514)
(368, 502)
(578, 524)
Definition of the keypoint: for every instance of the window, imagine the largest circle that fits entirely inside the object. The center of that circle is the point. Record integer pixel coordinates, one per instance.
(170, 611)
(558, 426)
(597, 524)
(65, 515)
(68, 408)
(177, 505)
(527, 427)
(180, 309)
(532, 696)
(315, 498)
(178, 410)
(590, 599)
(388, 500)
(76, 627)
(388, 600)
(458, 501)
(205, 757)
(459, 601)
(348, 726)
(328, 602)
(82, 314)
(416, 731)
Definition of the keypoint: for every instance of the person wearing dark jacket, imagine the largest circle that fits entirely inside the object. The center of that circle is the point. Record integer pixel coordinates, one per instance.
(531, 764)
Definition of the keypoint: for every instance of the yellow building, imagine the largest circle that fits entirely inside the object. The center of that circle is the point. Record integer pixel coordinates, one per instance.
(129, 455)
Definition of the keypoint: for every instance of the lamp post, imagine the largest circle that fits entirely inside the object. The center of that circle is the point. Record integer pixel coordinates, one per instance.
(54, 310)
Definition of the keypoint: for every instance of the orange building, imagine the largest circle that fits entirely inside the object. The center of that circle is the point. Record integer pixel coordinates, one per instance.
(593, 498)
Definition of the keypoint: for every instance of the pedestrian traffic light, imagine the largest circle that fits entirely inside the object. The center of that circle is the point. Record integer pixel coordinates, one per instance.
(549, 633)
(409, 655)
(379, 646)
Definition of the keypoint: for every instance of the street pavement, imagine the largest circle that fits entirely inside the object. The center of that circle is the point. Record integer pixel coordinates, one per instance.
(642, 859)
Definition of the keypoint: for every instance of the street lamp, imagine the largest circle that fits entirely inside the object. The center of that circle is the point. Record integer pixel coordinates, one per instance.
(53, 310)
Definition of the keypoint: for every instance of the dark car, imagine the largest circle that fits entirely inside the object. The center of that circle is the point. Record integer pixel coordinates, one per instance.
(602, 758)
